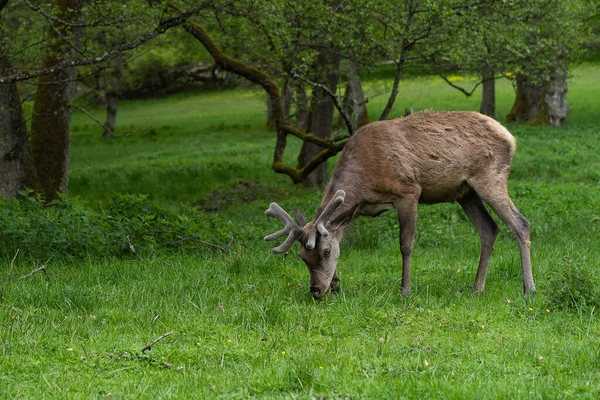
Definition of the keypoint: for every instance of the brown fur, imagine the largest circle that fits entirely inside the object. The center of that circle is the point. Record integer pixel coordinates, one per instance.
(426, 157)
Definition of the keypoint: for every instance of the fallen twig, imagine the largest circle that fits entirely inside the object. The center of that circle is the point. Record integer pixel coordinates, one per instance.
(130, 245)
(12, 264)
(171, 366)
(35, 271)
(149, 346)
(191, 239)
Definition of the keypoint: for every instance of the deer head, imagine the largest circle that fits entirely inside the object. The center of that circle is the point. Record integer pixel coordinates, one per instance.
(320, 242)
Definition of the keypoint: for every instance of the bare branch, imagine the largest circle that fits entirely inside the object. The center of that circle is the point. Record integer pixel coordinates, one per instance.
(50, 17)
(83, 110)
(394, 92)
(52, 20)
(460, 89)
(12, 264)
(333, 96)
(149, 346)
(35, 271)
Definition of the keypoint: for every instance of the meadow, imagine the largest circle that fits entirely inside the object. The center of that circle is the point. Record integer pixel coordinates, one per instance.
(241, 321)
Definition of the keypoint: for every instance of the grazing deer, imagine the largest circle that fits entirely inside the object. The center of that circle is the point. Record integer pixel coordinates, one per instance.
(427, 157)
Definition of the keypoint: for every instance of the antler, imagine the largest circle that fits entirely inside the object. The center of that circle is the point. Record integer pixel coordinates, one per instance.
(334, 203)
(292, 229)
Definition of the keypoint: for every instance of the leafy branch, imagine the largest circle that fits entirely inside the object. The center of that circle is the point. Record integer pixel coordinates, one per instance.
(163, 26)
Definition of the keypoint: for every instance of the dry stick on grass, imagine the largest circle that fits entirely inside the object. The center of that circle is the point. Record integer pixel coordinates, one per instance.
(148, 347)
(35, 271)
(83, 110)
(171, 366)
(224, 250)
(12, 264)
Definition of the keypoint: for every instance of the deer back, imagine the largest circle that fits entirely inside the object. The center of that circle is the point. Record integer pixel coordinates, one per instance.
(433, 152)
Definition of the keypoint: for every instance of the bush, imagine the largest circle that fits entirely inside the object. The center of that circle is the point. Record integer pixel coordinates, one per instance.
(123, 226)
(573, 287)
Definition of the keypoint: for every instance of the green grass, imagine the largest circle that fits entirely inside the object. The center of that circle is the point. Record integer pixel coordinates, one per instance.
(245, 326)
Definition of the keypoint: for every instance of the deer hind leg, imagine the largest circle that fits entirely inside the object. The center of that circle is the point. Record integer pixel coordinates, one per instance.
(494, 192)
(406, 208)
(487, 229)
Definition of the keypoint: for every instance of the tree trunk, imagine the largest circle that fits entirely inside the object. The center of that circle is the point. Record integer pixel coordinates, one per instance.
(359, 106)
(302, 108)
(16, 171)
(488, 96)
(321, 122)
(346, 106)
(354, 104)
(50, 124)
(540, 104)
(270, 124)
(112, 92)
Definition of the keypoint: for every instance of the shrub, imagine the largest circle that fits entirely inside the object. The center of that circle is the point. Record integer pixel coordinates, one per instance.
(573, 287)
(123, 226)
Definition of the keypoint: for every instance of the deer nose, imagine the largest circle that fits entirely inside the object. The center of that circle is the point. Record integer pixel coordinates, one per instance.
(315, 292)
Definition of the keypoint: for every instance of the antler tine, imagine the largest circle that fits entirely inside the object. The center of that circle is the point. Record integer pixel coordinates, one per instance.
(291, 228)
(319, 225)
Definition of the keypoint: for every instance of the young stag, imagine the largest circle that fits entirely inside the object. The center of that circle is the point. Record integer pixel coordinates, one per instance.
(426, 157)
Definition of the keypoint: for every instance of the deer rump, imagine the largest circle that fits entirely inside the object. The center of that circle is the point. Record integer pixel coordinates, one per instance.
(427, 157)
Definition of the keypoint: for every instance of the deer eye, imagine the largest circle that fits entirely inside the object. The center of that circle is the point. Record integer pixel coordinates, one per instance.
(327, 253)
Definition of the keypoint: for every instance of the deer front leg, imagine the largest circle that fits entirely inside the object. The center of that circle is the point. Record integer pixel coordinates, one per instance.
(406, 208)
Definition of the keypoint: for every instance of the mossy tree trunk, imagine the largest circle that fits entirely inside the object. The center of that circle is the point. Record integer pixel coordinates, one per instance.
(302, 108)
(488, 93)
(50, 123)
(16, 171)
(541, 104)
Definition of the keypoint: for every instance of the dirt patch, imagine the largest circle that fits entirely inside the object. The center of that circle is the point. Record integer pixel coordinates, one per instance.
(242, 192)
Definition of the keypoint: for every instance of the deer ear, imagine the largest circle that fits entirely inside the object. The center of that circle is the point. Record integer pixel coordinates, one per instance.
(301, 219)
(341, 225)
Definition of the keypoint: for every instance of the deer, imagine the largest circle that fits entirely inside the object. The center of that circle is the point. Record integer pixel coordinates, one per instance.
(426, 157)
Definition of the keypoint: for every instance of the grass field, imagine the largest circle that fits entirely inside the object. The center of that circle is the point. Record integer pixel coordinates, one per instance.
(243, 324)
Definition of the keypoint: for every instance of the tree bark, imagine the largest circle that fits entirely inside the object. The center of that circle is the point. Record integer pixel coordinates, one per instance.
(488, 95)
(540, 104)
(112, 92)
(302, 108)
(50, 124)
(359, 105)
(270, 124)
(16, 171)
(321, 122)
(346, 106)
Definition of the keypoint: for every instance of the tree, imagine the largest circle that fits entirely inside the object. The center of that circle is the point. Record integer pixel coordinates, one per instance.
(285, 43)
(15, 159)
(532, 41)
(68, 25)
(549, 45)
(50, 125)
